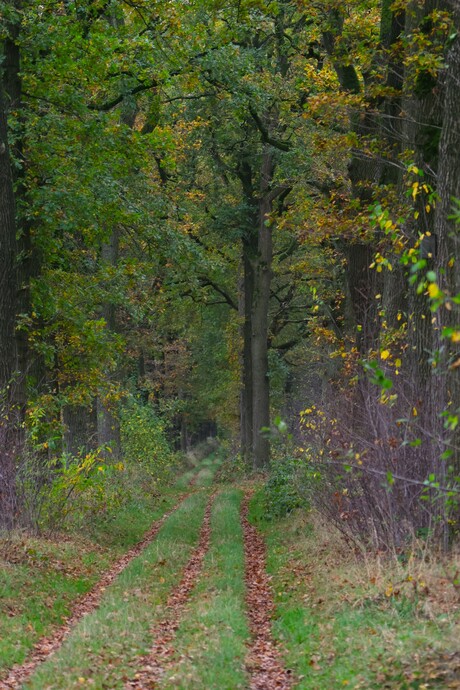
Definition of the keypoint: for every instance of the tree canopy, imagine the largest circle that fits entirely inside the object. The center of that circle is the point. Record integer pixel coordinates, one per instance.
(234, 218)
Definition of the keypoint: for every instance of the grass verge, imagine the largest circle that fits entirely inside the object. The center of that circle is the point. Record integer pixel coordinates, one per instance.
(211, 641)
(40, 577)
(107, 643)
(359, 622)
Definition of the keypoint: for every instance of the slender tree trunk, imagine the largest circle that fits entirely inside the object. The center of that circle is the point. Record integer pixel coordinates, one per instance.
(259, 318)
(108, 424)
(249, 252)
(246, 421)
(10, 414)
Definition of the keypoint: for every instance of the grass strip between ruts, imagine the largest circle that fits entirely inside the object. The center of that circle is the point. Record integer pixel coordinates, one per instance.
(208, 469)
(202, 475)
(97, 654)
(41, 579)
(211, 640)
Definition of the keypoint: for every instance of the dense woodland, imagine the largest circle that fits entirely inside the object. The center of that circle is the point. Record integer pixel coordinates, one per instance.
(232, 218)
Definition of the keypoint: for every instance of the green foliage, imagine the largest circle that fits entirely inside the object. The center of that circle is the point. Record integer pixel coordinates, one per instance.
(144, 443)
(280, 492)
(377, 375)
(80, 487)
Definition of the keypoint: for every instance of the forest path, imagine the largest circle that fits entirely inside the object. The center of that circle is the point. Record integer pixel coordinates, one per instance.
(188, 607)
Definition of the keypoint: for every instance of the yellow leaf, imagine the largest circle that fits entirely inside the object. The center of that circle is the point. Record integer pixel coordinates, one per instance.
(434, 291)
(414, 412)
(384, 354)
(398, 362)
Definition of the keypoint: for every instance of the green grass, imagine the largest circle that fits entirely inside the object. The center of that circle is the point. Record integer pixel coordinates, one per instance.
(105, 644)
(211, 640)
(183, 480)
(38, 581)
(41, 577)
(202, 474)
(207, 470)
(341, 627)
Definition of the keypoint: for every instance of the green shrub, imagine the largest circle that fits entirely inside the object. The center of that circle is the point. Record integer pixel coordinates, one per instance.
(280, 493)
(67, 488)
(144, 443)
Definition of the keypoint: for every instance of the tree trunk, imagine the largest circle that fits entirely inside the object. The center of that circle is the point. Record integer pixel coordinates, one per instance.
(80, 429)
(448, 234)
(259, 319)
(423, 115)
(249, 252)
(246, 412)
(9, 420)
(108, 424)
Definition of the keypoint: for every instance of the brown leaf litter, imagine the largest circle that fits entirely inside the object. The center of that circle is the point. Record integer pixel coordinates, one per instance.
(263, 661)
(154, 663)
(46, 646)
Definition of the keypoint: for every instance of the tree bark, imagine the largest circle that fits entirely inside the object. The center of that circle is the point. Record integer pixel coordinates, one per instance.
(246, 402)
(9, 415)
(259, 318)
(108, 424)
(249, 251)
(80, 429)
(448, 234)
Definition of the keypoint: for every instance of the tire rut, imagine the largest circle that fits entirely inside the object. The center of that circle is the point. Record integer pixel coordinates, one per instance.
(90, 601)
(263, 662)
(155, 663)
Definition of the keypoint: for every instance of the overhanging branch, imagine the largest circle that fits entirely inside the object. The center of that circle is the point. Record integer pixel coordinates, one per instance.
(266, 137)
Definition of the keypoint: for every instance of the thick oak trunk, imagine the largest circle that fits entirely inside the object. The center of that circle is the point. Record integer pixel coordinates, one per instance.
(448, 234)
